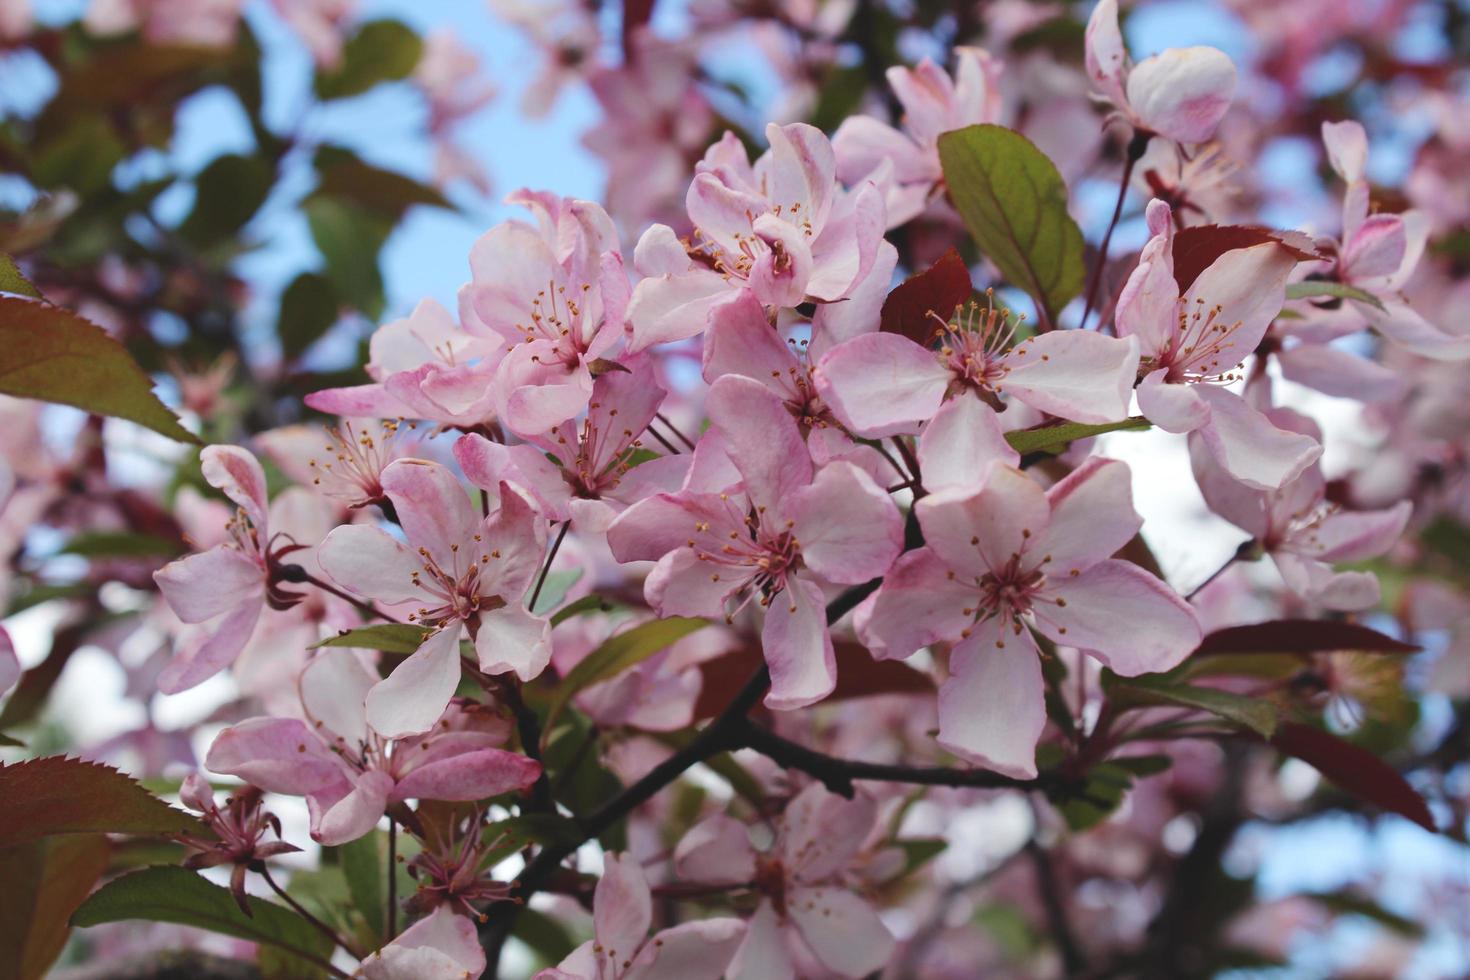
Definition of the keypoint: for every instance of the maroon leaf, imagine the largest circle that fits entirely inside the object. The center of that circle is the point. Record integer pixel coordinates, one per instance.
(636, 13)
(1300, 636)
(45, 882)
(1196, 248)
(1354, 770)
(858, 676)
(939, 290)
(56, 795)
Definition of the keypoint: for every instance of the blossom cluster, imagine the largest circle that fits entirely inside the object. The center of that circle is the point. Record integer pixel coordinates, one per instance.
(807, 431)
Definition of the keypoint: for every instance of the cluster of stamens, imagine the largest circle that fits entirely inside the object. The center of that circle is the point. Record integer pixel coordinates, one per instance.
(558, 317)
(352, 468)
(1201, 350)
(749, 246)
(760, 559)
(602, 450)
(976, 341)
(458, 589)
(1011, 593)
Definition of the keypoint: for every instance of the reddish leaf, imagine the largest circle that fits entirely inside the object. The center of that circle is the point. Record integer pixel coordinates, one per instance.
(57, 795)
(1196, 248)
(636, 13)
(45, 881)
(939, 289)
(1354, 770)
(858, 676)
(1300, 636)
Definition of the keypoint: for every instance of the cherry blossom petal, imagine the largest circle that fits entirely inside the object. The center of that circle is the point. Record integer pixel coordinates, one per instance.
(509, 547)
(359, 401)
(440, 946)
(1334, 371)
(1316, 582)
(487, 464)
(798, 647)
(1376, 248)
(682, 584)
(848, 527)
(1106, 57)
(761, 438)
(841, 929)
(280, 755)
(1249, 446)
(212, 649)
(698, 950)
(741, 340)
(1406, 327)
(919, 603)
(10, 670)
(334, 688)
(1074, 374)
(844, 253)
(237, 474)
(1248, 286)
(822, 832)
(660, 253)
(667, 309)
(1092, 516)
(513, 639)
(434, 510)
(622, 908)
(1245, 507)
(356, 813)
(716, 851)
(1347, 149)
(1172, 407)
(992, 707)
(763, 954)
(411, 699)
(977, 531)
(1182, 93)
(862, 310)
(1359, 535)
(960, 442)
(881, 384)
(468, 776)
(208, 584)
(368, 561)
(1123, 616)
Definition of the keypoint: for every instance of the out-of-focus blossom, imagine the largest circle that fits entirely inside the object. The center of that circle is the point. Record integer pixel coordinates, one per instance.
(808, 907)
(321, 25)
(239, 833)
(905, 162)
(440, 946)
(1180, 93)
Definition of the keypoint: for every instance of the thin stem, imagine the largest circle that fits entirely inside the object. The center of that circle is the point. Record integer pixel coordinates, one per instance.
(366, 607)
(528, 726)
(546, 568)
(662, 441)
(1246, 550)
(1136, 148)
(1056, 909)
(316, 923)
(674, 429)
(912, 462)
(484, 502)
(392, 909)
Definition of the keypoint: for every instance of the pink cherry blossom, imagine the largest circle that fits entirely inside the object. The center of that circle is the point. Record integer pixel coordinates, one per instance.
(808, 909)
(554, 296)
(423, 367)
(226, 588)
(1193, 343)
(621, 949)
(465, 572)
(782, 228)
(880, 384)
(1007, 558)
(906, 161)
(1180, 93)
(344, 462)
(237, 833)
(1380, 252)
(320, 25)
(593, 478)
(1302, 532)
(348, 771)
(773, 539)
(440, 946)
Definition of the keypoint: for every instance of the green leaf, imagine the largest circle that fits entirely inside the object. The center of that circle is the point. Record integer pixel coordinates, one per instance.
(1056, 438)
(345, 176)
(308, 310)
(554, 590)
(164, 894)
(547, 937)
(13, 281)
(1344, 902)
(388, 637)
(617, 654)
(118, 544)
(228, 192)
(53, 355)
(80, 157)
(365, 866)
(1104, 789)
(44, 881)
(1253, 713)
(380, 51)
(1014, 203)
(588, 603)
(1316, 288)
(919, 851)
(57, 795)
(350, 238)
